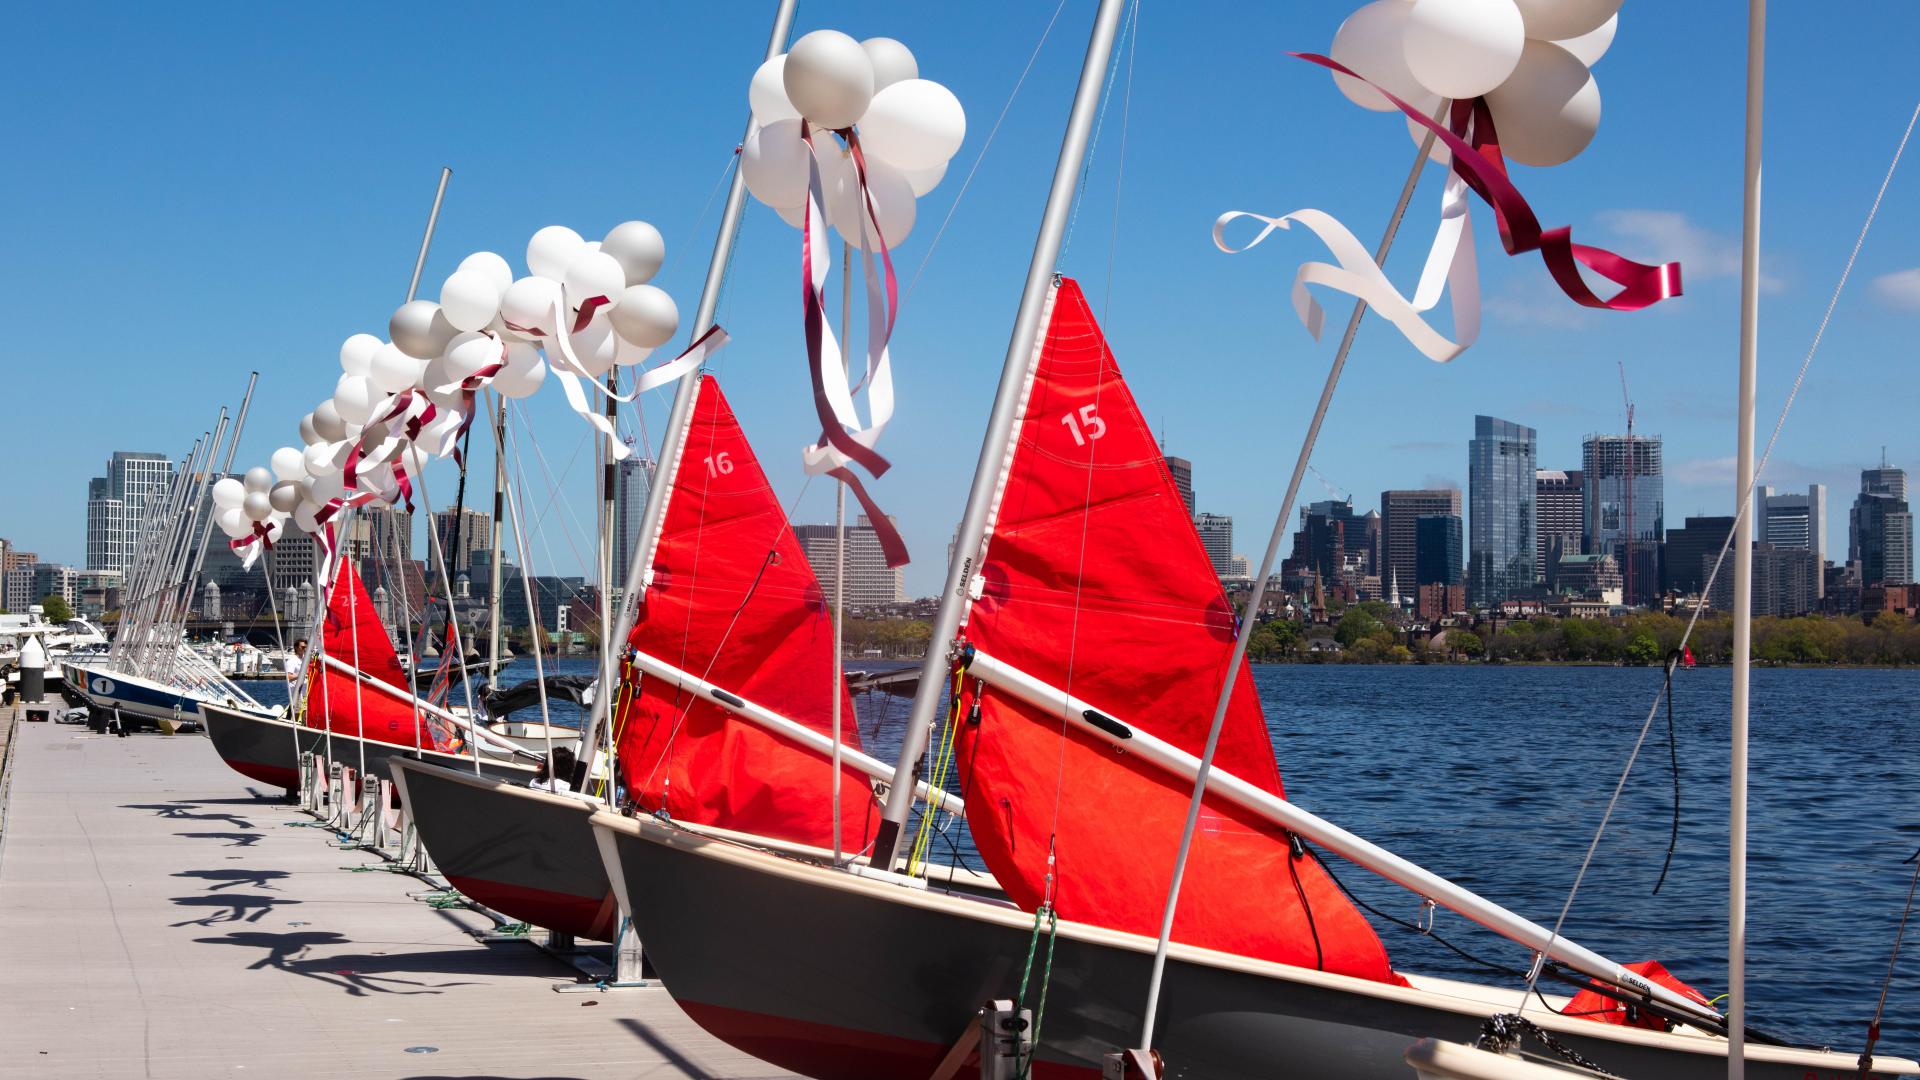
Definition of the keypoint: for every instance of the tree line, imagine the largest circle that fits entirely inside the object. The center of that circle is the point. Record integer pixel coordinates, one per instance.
(1366, 633)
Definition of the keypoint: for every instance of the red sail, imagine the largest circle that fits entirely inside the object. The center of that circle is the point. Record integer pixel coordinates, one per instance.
(733, 601)
(1095, 581)
(354, 635)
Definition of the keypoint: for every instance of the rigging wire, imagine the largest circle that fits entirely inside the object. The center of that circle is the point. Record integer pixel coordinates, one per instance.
(1673, 751)
(981, 156)
(1744, 507)
(1873, 1026)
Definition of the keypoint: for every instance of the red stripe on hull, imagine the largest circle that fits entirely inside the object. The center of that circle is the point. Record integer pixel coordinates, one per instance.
(591, 917)
(827, 1052)
(271, 775)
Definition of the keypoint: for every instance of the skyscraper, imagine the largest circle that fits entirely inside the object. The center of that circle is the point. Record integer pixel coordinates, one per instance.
(1880, 528)
(1691, 550)
(1182, 471)
(1500, 468)
(1216, 536)
(1795, 522)
(459, 545)
(630, 482)
(1437, 546)
(117, 505)
(870, 582)
(1557, 498)
(1400, 512)
(1625, 484)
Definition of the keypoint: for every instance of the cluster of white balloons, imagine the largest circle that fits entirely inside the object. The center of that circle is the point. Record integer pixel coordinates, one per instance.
(1528, 58)
(487, 327)
(909, 128)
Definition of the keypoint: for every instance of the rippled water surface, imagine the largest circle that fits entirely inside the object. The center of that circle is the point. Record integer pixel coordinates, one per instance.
(1497, 776)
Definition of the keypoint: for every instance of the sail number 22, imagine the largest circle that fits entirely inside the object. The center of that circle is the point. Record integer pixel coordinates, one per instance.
(1085, 424)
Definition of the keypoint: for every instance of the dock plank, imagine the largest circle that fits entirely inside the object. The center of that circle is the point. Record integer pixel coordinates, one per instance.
(157, 919)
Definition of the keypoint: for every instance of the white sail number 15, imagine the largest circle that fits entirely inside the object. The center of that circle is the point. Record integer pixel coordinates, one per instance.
(1085, 424)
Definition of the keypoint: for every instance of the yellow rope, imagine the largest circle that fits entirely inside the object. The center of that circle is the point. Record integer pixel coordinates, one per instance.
(942, 763)
(619, 717)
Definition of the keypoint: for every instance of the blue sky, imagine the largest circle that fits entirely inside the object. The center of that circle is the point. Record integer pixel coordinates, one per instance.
(196, 192)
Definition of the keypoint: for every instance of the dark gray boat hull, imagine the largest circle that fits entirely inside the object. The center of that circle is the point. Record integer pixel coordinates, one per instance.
(836, 977)
(527, 854)
(267, 749)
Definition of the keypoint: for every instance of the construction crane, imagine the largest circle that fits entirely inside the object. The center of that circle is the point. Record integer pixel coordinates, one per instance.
(1626, 577)
(1338, 495)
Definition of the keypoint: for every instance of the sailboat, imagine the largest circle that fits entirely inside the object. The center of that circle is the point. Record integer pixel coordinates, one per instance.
(722, 715)
(1085, 664)
(357, 709)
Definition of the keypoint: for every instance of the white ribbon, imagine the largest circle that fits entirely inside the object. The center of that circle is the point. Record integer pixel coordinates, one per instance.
(1450, 267)
(878, 380)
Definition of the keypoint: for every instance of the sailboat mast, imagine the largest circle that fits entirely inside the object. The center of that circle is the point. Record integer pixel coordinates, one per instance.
(1013, 375)
(499, 509)
(1743, 545)
(683, 396)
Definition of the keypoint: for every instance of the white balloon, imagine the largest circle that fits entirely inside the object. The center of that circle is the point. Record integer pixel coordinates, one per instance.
(258, 478)
(303, 517)
(524, 373)
(640, 249)
(828, 78)
(593, 273)
(420, 329)
(1370, 43)
(307, 432)
(892, 62)
(327, 422)
(529, 303)
(233, 522)
(469, 353)
(393, 370)
(627, 354)
(767, 94)
(227, 492)
(893, 206)
(489, 266)
(441, 430)
(915, 124)
(551, 249)
(1589, 47)
(436, 376)
(1548, 109)
(329, 487)
(836, 168)
(356, 352)
(257, 505)
(319, 458)
(924, 180)
(377, 477)
(646, 316)
(773, 161)
(285, 496)
(1462, 48)
(470, 299)
(288, 464)
(355, 398)
(1554, 20)
(596, 346)
(415, 458)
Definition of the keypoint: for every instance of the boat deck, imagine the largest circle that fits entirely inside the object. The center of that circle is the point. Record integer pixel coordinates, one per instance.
(159, 920)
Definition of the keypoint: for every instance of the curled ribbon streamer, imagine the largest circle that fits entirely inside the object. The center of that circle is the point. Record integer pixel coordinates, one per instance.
(891, 544)
(1482, 167)
(1450, 262)
(570, 371)
(842, 437)
(246, 547)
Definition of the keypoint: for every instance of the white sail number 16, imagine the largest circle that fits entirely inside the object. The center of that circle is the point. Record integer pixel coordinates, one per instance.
(719, 464)
(1085, 424)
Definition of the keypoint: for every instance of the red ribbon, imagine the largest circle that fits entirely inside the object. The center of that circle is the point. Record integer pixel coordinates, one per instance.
(891, 544)
(813, 305)
(1482, 167)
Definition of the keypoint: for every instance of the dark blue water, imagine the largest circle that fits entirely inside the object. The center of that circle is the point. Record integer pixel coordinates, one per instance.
(1496, 777)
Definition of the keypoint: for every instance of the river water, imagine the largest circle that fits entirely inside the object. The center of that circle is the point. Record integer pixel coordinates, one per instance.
(1496, 777)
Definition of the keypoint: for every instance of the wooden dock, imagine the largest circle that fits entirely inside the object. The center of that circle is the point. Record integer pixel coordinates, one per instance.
(159, 919)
